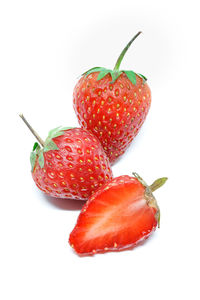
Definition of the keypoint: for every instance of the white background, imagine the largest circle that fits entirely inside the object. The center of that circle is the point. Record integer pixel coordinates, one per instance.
(45, 46)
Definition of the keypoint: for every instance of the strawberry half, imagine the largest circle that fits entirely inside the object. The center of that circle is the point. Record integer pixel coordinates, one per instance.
(118, 216)
(113, 105)
(70, 164)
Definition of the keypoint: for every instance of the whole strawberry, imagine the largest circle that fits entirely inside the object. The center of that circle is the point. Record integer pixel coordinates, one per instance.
(117, 216)
(112, 104)
(70, 164)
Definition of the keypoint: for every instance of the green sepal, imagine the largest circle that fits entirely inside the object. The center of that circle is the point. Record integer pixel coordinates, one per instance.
(65, 128)
(103, 73)
(92, 70)
(32, 160)
(50, 146)
(131, 76)
(158, 183)
(142, 76)
(41, 159)
(35, 146)
(36, 150)
(57, 132)
(114, 74)
(53, 131)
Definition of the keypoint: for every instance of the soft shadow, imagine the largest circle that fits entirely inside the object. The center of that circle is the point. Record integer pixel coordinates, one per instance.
(65, 204)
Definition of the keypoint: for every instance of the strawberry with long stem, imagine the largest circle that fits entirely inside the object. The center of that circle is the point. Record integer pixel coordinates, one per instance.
(70, 163)
(112, 104)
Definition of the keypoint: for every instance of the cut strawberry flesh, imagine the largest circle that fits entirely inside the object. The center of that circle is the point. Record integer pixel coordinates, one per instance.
(115, 218)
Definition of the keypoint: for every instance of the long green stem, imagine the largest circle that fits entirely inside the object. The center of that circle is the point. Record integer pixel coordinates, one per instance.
(117, 65)
(32, 130)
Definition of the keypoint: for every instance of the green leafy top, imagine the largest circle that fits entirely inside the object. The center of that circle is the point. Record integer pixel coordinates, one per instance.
(115, 73)
(48, 145)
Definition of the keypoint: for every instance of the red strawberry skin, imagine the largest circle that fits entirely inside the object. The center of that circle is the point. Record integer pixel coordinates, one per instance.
(116, 217)
(114, 112)
(76, 170)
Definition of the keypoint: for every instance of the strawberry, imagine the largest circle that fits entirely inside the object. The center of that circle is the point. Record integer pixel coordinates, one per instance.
(112, 104)
(70, 164)
(117, 216)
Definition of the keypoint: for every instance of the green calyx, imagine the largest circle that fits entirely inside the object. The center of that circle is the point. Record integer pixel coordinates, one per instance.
(115, 73)
(43, 146)
(48, 145)
(151, 201)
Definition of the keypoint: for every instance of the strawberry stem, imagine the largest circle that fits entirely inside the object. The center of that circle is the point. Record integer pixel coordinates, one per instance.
(151, 201)
(117, 65)
(155, 185)
(32, 130)
(158, 183)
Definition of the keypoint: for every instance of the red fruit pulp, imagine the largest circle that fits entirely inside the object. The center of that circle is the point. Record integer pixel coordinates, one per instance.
(115, 218)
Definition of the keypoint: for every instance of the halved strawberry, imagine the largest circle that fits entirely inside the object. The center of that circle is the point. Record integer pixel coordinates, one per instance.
(118, 216)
